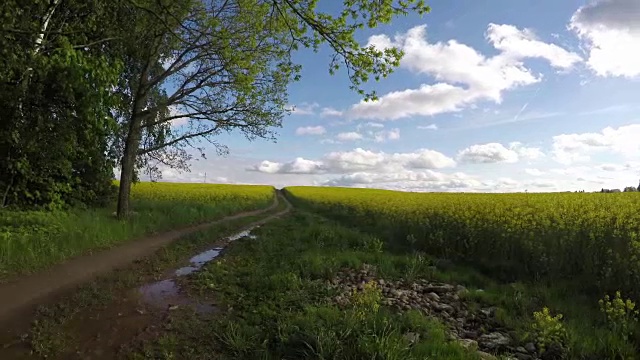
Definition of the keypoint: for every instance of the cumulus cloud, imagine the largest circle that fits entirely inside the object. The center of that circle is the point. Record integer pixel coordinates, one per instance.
(610, 30)
(612, 167)
(487, 153)
(534, 172)
(427, 180)
(328, 111)
(464, 76)
(311, 130)
(497, 153)
(521, 44)
(577, 147)
(175, 110)
(382, 136)
(428, 127)
(349, 136)
(359, 160)
(367, 132)
(525, 152)
(427, 100)
(297, 166)
(304, 108)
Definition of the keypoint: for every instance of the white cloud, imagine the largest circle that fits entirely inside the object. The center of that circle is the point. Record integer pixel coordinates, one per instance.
(367, 132)
(534, 172)
(498, 153)
(611, 32)
(487, 153)
(175, 110)
(428, 127)
(632, 166)
(349, 136)
(311, 130)
(572, 170)
(571, 148)
(382, 136)
(427, 180)
(525, 152)
(425, 159)
(359, 160)
(522, 44)
(328, 111)
(427, 100)
(612, 167)
(463, 75)
(394, 134)
(304, 108)
(297, 166)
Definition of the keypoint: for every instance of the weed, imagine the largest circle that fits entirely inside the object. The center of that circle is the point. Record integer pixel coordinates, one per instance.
(620, 315)
(549, 330)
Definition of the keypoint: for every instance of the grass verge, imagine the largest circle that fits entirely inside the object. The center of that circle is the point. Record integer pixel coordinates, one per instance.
(35, 240)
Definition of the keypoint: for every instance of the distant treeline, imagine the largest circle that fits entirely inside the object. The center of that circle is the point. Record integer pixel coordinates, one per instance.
(626, 189)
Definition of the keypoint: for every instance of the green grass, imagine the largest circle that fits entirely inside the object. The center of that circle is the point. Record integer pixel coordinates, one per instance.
(52, 336)
(591, 239)
(34, 240)
(277, 307)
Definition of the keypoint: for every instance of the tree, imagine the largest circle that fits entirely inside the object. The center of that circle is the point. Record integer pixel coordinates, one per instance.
(55, 75)
(225, 65)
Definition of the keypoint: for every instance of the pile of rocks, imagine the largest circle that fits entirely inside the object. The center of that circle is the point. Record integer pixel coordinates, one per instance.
(472, 329)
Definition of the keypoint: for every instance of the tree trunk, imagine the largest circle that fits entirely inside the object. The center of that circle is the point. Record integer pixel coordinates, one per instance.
(126, 176)
(26, 77)
(129, 161)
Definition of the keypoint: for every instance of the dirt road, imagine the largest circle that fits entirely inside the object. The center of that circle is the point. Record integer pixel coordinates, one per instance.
(24, 293)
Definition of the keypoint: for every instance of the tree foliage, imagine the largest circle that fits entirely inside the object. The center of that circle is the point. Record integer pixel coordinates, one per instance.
(225, 66)
(54, 87)
(109, 82)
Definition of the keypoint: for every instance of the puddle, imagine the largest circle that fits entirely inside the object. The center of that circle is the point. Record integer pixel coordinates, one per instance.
(198, 261)
(166, 293)
(240, 235)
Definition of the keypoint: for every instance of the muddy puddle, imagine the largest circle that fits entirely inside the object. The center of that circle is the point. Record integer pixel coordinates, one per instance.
(166, 293)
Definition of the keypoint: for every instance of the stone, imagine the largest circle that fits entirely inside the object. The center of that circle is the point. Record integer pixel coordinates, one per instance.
(470, 334)
(443, 307)
(521, 356)
(412, 337)
(489, 312)
(468, 344)
(494, 340)
(530, 347)
(486, 356)
(433, 296)
(440, 289)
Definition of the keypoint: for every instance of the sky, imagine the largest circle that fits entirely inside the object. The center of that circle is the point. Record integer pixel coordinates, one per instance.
(491, 96)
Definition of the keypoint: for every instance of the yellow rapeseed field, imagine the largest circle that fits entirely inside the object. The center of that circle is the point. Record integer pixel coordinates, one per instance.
(591, 239)
(241, 197)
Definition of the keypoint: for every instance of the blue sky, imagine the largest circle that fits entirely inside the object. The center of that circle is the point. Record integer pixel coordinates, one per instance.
(492, 95)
